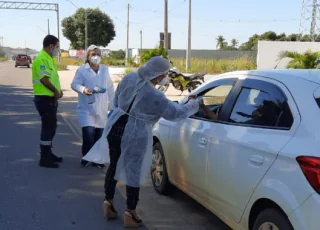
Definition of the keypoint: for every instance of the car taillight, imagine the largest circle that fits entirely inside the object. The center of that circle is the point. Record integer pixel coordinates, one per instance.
(311, 169)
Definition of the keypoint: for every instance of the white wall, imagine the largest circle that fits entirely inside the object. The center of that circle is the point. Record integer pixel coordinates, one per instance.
(268, 52)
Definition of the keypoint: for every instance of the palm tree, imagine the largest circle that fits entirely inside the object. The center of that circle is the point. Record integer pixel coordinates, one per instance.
(221, 42)
(307, 60)
(234, 43)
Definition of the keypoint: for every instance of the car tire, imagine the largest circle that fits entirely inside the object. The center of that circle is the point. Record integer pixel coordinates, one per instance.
(28, 66)
(15, 66)
(271, 218)
(162, 186)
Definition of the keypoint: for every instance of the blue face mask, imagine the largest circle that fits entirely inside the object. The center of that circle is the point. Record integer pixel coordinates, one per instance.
(55, 52)
(164, 81)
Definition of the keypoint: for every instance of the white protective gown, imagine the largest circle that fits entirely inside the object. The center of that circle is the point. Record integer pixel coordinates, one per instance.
(136, 146)
(92, 110)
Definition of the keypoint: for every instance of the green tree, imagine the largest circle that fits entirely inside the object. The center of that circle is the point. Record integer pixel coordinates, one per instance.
(307, 60)
(100, 28)
(293, 37)
(234, 43)
(2, 53)
(251, 44)
(269, 36)
(118, 54)
(148, 54)
(221, 42)
(282, 37)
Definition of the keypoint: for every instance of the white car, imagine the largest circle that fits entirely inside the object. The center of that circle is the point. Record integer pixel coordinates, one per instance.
(257, 166)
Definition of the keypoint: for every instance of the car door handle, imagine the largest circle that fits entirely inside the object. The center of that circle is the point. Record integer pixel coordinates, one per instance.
(256, 160)
(203, 141)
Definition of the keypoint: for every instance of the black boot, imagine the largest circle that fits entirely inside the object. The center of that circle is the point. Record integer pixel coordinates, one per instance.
(46, 158)
(54, 157)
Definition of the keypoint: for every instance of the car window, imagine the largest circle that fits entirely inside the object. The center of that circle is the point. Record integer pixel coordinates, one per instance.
(259, 108)
(214, 99)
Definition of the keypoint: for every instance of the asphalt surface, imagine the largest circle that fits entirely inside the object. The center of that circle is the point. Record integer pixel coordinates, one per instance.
(70, 197)
(34, 198)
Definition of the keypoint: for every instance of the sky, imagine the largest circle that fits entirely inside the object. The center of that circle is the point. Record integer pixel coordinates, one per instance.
(210, 18)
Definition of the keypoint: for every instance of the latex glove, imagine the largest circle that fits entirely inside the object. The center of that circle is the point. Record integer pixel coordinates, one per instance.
(99, 90)
(109, 114)
(200, 100)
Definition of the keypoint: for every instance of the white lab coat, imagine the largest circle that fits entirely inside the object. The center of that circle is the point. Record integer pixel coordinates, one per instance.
(93, 110)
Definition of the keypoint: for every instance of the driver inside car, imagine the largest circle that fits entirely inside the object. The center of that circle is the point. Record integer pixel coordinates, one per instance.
(207, 112)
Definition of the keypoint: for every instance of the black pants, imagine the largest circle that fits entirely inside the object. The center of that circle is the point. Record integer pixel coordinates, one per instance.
(47, 108)
(90, 135)
(114, 140)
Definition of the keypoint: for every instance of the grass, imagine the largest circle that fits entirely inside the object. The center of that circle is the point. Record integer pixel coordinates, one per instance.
(213, 66)
(79, 62)
(216, 66)
(61, 67)
(3, 59)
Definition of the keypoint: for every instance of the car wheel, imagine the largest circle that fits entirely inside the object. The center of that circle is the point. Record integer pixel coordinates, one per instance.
(159, 173)
(272, 219)
(15, 66)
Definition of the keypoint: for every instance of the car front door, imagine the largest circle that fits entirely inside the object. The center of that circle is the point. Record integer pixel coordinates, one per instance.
(257, 124)
(189, 143)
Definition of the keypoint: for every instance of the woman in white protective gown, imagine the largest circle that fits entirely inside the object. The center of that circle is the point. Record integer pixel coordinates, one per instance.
(127, 137)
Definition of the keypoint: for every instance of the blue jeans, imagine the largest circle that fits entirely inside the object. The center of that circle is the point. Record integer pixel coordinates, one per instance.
(90, 135)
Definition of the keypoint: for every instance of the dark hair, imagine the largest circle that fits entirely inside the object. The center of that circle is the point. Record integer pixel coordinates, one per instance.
(50, 40)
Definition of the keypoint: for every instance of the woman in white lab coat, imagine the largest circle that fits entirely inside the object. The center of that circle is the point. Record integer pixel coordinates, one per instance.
(95, 91)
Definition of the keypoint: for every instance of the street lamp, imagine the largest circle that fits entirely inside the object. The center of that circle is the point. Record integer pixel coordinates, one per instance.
(86, 20)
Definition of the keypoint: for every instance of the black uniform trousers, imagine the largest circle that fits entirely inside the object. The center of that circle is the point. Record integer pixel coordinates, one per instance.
(47, 108)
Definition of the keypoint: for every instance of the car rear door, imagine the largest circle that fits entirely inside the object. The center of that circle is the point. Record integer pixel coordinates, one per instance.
(256, 125)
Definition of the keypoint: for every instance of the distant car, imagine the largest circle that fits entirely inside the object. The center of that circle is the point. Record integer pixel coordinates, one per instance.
(30, 59)
(22, 60)
(257, 167)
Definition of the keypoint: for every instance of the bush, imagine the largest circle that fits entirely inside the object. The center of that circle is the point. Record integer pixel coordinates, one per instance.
(148, 54)
(61, 67)
(213, 66)
(216, 66)
(307, 60)
(3, 59)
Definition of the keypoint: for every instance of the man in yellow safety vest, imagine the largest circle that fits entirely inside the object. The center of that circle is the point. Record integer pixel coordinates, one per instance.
(47, 91)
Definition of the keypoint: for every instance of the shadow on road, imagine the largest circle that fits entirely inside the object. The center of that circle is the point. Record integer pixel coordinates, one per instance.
(33, 198)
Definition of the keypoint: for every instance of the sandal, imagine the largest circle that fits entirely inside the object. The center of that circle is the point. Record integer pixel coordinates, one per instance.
(131, 220)
(109, 212)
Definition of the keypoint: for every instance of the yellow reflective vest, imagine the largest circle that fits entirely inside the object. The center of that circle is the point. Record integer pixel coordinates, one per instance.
(44, 66)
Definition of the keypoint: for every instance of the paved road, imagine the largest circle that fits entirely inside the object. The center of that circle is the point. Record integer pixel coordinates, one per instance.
(34, 198)
(175, 212)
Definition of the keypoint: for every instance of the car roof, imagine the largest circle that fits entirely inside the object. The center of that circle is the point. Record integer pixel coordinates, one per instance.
(284, 75)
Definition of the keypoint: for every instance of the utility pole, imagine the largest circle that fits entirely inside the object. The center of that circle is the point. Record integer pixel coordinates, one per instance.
(140, 42)
(86, 30)
(140, 55)
(188, 58)
(58, 28)
(25, 47)
(128, 23)
(1, 43)
(48, 27)
(166, 25)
